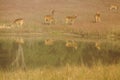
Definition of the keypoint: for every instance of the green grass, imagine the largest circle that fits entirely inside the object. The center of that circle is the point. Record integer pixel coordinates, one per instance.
(37, 54)
(57, 62)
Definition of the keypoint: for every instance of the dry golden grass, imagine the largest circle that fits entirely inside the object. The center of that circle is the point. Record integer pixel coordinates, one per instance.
(98, 72)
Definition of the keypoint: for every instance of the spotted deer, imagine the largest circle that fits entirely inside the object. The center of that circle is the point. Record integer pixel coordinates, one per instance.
(18, 22)
(49, 19)
(70, 19)
(97, 17)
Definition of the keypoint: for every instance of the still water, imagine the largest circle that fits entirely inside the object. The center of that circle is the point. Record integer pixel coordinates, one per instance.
(39, 52)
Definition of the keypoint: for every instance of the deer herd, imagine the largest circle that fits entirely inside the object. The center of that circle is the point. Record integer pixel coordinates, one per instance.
(50, 19)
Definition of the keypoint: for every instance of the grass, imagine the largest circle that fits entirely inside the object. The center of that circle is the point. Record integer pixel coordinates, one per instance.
(40, 55)
(58, 62)
(97, 72)
(53, 30)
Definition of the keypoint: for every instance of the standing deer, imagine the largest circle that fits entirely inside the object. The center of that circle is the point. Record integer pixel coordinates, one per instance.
(18, 22)
(49, 19)
(70, 19)
(98, 17)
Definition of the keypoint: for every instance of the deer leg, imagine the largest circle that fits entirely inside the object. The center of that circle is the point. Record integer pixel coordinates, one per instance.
(23, 65)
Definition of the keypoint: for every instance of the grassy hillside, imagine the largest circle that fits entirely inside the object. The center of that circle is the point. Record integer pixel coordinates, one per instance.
(33, 11)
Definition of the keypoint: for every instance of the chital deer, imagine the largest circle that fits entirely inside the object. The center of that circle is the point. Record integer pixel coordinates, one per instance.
(49, 42)
(49, 19)
(98, 17)
(113, 7)
(71, 44)
(18, 22)
(70, 19)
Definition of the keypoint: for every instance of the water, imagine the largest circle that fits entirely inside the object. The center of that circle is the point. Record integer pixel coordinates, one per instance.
(33, 52)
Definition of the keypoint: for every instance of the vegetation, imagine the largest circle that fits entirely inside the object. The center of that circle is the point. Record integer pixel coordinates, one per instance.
(92, 51)
(97, 72)
(58, 62)
(37, 54)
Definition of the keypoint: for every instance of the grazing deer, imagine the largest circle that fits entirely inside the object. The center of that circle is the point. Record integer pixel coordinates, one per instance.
(97, 17)
(19, 22)
(71, 44)
(49, 19)
(49, 42)
(70, 19)
(113, 7)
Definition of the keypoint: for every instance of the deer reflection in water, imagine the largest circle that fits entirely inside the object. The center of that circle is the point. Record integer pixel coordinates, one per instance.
(19, 61)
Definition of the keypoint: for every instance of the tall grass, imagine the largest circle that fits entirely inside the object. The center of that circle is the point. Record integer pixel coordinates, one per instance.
(37, 54)
(97, 72)
(58, 62)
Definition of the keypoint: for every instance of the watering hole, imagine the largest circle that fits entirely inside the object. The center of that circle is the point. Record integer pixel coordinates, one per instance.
(34, 52)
